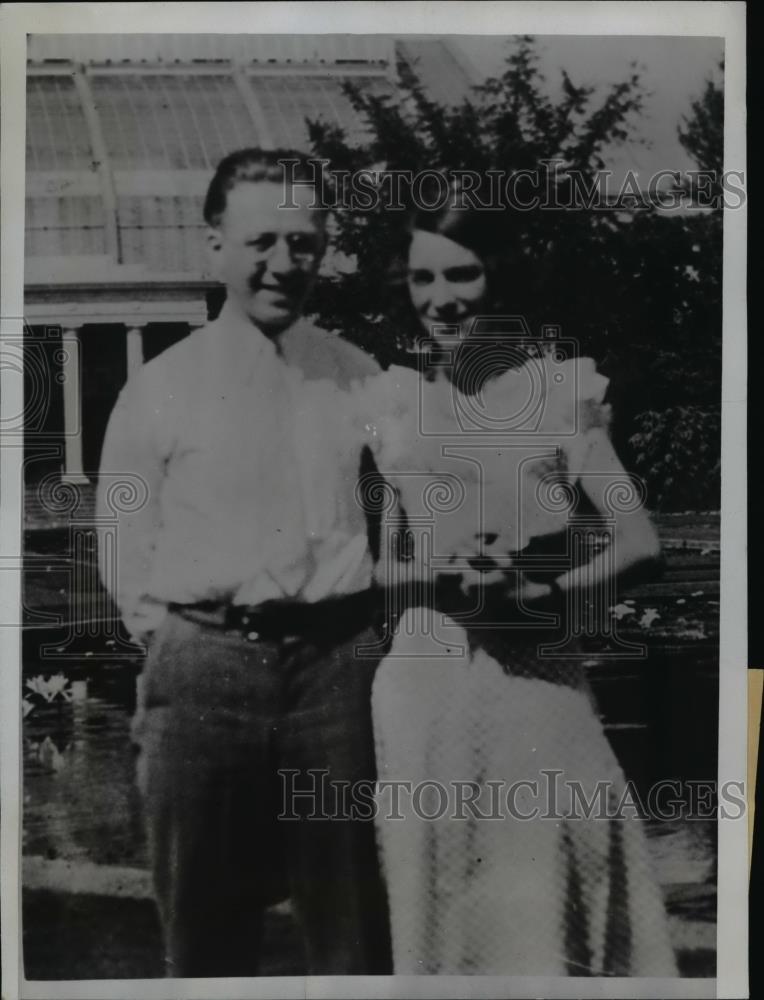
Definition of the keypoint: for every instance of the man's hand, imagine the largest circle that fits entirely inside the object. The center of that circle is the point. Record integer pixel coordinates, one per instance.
(465, 589)
(532, 590)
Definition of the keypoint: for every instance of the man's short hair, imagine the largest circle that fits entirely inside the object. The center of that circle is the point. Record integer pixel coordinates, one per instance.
(253, 165)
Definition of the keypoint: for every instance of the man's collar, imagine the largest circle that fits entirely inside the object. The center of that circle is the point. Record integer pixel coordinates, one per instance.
(242, 347)
(242, 332)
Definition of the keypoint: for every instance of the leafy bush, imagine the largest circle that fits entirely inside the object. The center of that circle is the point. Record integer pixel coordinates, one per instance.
(677, 453)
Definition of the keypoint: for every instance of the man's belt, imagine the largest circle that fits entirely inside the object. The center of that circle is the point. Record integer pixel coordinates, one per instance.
(282, 619)
(346, 615)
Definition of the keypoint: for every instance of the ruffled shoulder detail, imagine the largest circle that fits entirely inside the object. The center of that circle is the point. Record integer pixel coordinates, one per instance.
(589, 389)
(545, 395)
(592, 389)
(386, 408)
(592, 386)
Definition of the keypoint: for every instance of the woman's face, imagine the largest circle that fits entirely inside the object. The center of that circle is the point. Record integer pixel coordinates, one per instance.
(447, 282)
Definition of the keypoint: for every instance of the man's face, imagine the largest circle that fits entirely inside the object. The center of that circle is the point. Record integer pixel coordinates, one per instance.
(268, 256)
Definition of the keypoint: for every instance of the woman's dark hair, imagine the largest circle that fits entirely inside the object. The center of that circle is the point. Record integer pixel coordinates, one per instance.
(252, 165)
(456, 216)
(492, 235)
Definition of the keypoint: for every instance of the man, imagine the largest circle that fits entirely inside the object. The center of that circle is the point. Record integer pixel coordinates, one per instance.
(247, 574)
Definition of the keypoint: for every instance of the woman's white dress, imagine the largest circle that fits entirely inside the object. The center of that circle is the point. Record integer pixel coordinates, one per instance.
(476, 728)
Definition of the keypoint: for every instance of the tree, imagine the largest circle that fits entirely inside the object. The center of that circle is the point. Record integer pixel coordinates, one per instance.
(637, 289)
(702, 134)
(509, 124)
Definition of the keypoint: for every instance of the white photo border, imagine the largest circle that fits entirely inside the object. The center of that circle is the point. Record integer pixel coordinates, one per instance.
(724, 20)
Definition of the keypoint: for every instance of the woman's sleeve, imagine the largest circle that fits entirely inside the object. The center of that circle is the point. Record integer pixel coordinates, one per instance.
(589, 414)
(593, 411)
(384, 411)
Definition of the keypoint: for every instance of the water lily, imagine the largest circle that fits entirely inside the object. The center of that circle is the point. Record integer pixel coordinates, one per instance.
(648, 617)
(621, 610)
(49, 689)
(694, 632)
(50, 756)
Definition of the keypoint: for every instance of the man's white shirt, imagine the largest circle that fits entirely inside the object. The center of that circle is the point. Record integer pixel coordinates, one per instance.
(249, 457)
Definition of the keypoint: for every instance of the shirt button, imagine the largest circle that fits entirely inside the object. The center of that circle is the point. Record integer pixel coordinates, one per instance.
(253, 636)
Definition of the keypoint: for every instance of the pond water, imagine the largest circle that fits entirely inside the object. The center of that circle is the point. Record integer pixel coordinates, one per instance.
(80, 801)
(81, 806)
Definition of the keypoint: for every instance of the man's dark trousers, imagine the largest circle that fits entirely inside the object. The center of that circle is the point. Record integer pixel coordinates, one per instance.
(221, 715)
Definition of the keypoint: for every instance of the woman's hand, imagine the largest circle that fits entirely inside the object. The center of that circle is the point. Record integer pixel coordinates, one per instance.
(532, 590)
(466, 590)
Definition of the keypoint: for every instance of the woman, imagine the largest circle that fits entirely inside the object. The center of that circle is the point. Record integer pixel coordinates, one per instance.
(488, 741)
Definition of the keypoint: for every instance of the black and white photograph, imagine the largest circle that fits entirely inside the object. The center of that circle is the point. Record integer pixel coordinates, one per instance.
(372, 513)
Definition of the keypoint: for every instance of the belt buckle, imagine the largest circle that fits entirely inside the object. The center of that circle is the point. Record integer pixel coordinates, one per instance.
(246, 627)
(241, 621)
(246, 624)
